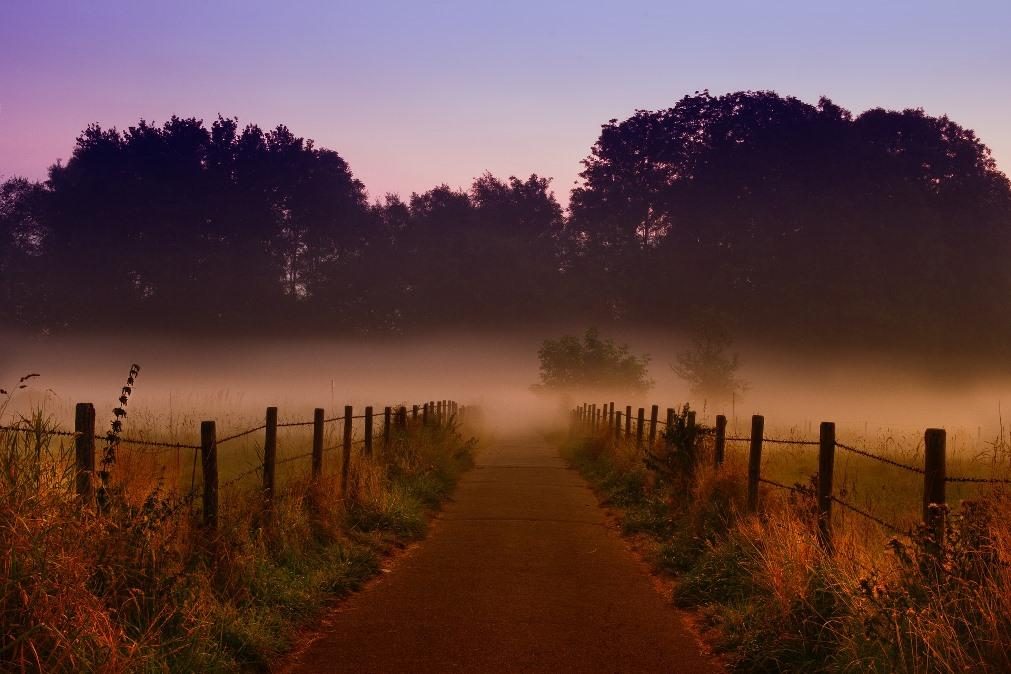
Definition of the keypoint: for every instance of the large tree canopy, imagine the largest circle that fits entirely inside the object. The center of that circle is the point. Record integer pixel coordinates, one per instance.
(795, 217)
(799, 222)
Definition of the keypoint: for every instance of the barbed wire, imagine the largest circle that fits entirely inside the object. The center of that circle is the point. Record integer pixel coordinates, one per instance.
(21, 429)
(979, 480)
(294, 424)
(293, 458)
(784, 441)
(150, 443)
(241, 476)
(807, 491)
(103, 438)
(874, 518)
(236, 436)
(878, 457)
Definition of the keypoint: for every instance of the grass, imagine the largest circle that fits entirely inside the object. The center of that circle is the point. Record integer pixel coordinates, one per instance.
(771, 599)
(144, 588)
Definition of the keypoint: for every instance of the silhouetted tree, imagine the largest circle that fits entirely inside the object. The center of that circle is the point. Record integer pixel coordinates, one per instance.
(591, 362)
(800, 219)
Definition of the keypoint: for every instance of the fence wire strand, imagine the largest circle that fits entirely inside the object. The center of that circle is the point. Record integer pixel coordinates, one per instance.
(878, 457)
(236, 436)
(863, 513)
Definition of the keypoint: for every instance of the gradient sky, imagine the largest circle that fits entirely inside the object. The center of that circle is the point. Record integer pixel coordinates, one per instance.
(414, 94)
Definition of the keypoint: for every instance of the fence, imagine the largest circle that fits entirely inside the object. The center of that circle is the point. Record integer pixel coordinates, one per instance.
(395, 420)
(606, 419)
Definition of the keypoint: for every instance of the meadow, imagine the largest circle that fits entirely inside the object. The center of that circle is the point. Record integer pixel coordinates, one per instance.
(770, 597)
(141, 584)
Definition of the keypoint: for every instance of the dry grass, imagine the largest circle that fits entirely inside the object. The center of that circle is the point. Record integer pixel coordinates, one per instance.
(776, 601)
(143, 587)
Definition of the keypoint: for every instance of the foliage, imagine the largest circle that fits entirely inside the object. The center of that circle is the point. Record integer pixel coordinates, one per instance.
(141, 586)
(569, 362)
(772, 600)
(803, 221)
(711, 372)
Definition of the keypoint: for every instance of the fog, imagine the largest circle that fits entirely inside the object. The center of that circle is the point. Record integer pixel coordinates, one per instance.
(236, 379)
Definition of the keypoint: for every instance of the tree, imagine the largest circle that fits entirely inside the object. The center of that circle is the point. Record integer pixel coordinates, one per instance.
(711, 372)
(803, 220)
(570, 362)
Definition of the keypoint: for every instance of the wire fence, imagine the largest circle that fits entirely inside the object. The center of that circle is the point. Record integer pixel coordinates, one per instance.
(618, 425)
(399, 420)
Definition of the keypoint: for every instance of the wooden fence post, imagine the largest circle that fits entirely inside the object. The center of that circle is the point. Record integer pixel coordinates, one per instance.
(628, 421)
(690, 421)
(435, 411)
(826, 466)
(720, 446)
(640, 422)
(414, 412)
(402, 417)
(317, 443)
(209, 466)
(755, 461)
(84, 449)
(269, 457)
(387, 417)
(425, 415)
(368, 431)
(653, 412)
(593, 417)
(670, 425)
(346, 447)
(617, 425)
(610, 414)
(934, 470)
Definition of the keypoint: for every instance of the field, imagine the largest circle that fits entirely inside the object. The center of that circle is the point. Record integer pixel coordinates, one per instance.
(772, 598)
(147, 586)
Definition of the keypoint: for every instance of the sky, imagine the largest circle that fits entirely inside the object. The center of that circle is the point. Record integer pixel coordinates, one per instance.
(415, 94)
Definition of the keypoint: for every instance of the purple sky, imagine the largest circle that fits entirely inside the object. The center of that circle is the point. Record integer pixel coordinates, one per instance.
(414, 94)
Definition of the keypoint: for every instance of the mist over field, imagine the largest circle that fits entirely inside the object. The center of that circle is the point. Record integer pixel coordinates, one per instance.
(238, 378)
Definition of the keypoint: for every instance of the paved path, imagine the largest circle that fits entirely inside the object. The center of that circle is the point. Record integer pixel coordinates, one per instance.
(520, 574)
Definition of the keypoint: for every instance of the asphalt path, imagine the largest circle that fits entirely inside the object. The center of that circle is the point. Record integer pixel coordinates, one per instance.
(521, 573)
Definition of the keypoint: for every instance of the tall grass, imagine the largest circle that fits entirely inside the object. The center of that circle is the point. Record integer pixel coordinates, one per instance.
(770, 597)
(142, 587)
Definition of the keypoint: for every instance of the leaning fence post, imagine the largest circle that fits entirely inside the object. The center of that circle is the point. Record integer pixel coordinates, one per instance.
(934, 441)
(826, 466)
(640, 423)
(387, 416)
(653, 411)
(755, 461)
(346, 448)
(317, 443)
(84, 449)
(209, 467)
(368, 431)
(720, 446)
(269, 456)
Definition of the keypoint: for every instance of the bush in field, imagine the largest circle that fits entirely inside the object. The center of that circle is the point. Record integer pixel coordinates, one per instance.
(708, 367)
(570, 362)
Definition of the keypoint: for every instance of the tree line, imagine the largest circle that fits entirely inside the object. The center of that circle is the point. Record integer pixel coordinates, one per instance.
(794, 222)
